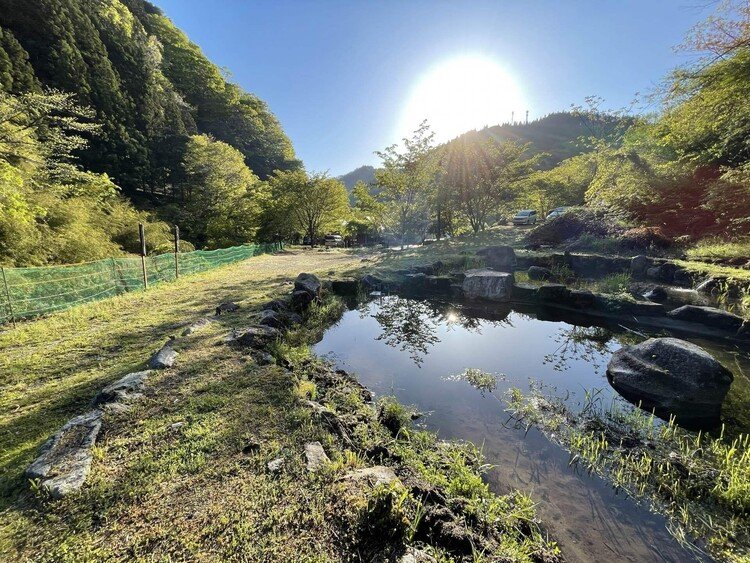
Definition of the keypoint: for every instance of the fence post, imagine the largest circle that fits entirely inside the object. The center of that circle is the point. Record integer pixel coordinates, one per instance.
(142, 235)
(7, 294)
(114, 276)
(176, 252)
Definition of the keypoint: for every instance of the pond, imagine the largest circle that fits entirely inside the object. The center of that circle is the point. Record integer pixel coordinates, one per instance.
(413, 349)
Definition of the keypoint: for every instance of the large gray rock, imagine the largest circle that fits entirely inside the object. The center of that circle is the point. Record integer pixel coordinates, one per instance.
(315, 456)
(257, 336)
(309, 283)
(500, 258)
(164, 358)
(673, 377)
(639, 264)
(123, 389)
(709, 316)
(488, 284)
(65, 459)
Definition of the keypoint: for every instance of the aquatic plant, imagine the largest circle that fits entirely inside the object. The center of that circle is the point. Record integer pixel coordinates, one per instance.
(483, 381)
(699, 482)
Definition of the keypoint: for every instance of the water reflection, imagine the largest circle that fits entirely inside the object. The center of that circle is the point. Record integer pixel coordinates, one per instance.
(590, 344)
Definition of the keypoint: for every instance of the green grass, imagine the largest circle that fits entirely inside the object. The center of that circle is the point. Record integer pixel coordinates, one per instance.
(715, 249)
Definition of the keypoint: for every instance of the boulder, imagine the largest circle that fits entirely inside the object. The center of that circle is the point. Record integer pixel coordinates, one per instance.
(164, 358)
(302, 299)
(663, 273)
(555, 293)
(615, 305)
(525, 292)
(257, 336)
(278, 305)
(372, 283)
(228, 307)
(672, 377)
(639, 264)
(682, 278)
(65, 459)
(274, 319)
(348, 286)
(539, 273)
(309, 283)
(488, 284)
(709, 286)
(123, 389)
(315, 456)
(708, 316)
(500, 258)
(581, 298)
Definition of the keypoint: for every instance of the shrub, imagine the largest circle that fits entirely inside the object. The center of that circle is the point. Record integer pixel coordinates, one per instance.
(645, 237)
(571, 225)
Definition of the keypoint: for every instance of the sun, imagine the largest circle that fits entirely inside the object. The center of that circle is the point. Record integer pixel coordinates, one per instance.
(459, 94)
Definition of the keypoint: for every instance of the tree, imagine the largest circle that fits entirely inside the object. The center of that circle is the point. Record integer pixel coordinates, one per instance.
(483, 174)
(222, 197)
(405, 179)
(308, 204)
(367, 214)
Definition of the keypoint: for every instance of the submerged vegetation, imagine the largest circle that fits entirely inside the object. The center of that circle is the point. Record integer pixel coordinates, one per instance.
(699, 481)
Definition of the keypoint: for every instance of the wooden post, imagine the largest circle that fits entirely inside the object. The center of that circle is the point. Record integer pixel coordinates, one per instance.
(114, 276)
(142, 235)
(10, 303)
(176, 252)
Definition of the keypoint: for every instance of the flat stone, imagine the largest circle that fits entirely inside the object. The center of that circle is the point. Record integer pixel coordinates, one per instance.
(377, 475)
(123, 389)
(315, 456)
(525, 292)
(488, 284)
(65, 459)
(708, 316)
(164, 358)
(257, 336)
(197, 326)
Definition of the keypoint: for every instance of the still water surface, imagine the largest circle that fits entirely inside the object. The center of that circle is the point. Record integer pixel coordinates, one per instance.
(411, 348)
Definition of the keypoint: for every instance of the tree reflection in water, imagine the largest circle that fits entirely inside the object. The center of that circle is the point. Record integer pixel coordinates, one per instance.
(412, 325)
(589, 344)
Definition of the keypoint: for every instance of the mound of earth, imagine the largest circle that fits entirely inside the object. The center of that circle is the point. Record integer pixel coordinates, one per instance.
(569, 226)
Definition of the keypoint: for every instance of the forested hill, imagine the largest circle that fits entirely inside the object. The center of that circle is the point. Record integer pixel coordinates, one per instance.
(150, 87)
(557, 134)
(364, 174)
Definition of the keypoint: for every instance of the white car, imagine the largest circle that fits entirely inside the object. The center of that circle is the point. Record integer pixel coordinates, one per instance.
(334, 240)
(525, 217)
(556, 212)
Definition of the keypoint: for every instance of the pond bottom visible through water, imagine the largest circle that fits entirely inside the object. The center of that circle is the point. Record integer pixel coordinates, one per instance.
(410, 349)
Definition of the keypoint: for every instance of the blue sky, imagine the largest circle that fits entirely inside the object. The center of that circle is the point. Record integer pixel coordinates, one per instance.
(339, 73)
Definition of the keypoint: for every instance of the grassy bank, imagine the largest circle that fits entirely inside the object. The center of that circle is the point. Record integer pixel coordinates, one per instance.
(183, 475)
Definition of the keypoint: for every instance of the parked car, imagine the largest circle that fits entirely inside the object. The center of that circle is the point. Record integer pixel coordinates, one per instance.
(525, 217)
(556, 212)
(334, 240)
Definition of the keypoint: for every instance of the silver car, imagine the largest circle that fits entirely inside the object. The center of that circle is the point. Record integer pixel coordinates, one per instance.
(556, 212)
(525, 217)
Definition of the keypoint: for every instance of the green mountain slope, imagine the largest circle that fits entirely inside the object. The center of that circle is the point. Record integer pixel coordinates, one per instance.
(149, 85)
(364, 174)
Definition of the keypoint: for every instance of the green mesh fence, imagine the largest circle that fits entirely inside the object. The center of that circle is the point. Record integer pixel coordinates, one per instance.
(30, 292)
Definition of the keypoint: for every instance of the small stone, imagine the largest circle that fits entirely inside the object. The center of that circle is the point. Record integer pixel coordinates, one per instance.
(257, 336)
(315, 456)
(228, 307)
(177, 425)
(164, 358)
(377, 475)
(276, 465)
(196, 326)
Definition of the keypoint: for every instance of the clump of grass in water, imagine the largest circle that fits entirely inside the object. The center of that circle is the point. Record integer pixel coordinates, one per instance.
(699, 482)
(483, 381)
